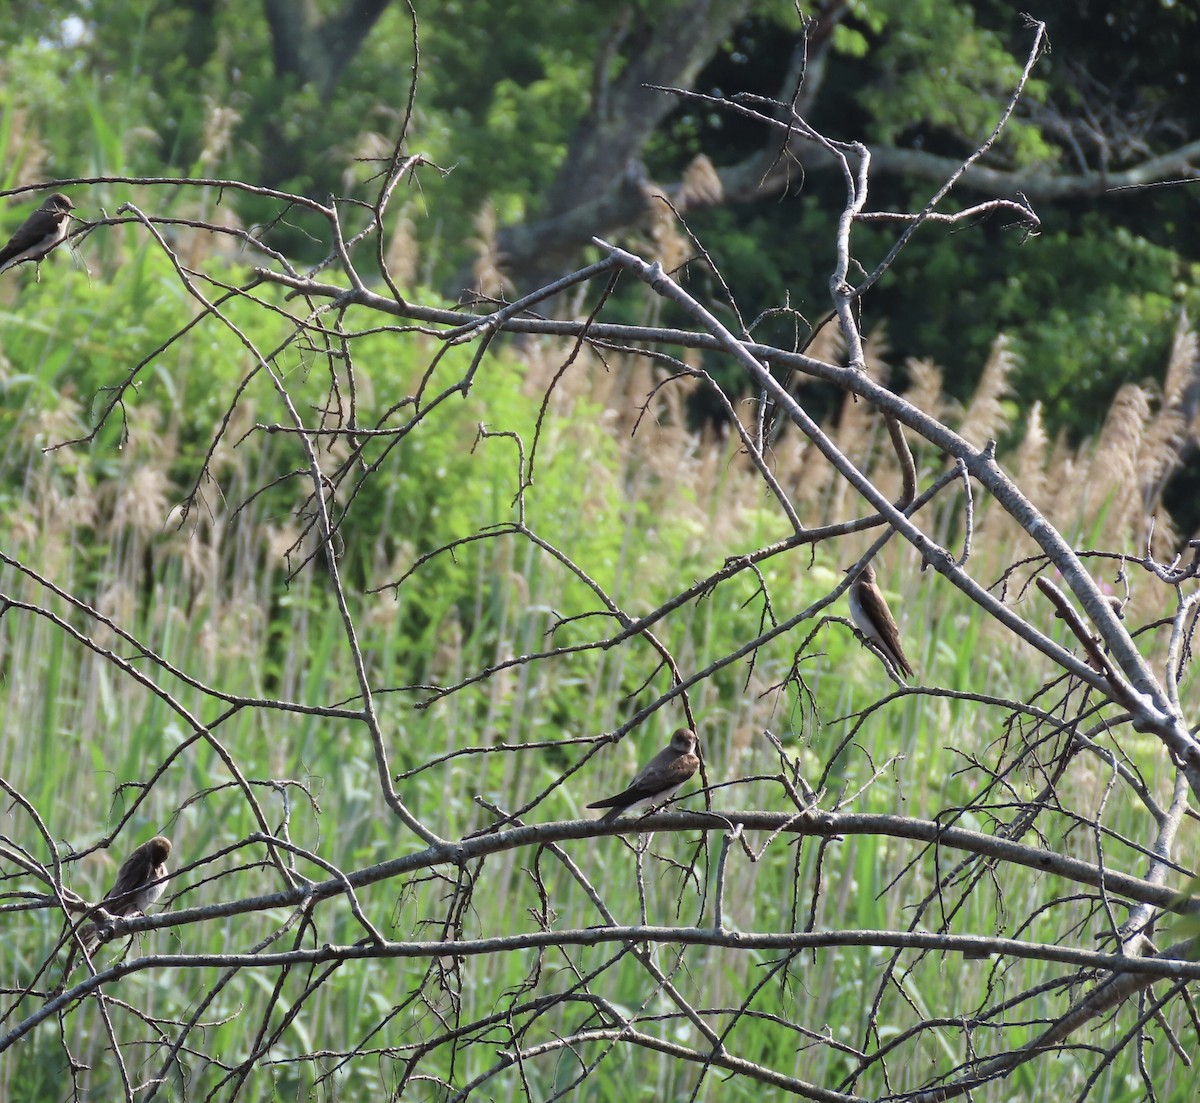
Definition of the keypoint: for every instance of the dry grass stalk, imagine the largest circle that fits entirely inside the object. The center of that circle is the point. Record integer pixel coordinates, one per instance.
(1166, 539)
(219, 123)
(672, 247)
(402, 254)
(860, 432)
(1004, 538)
(925, 390)
(985, 417)
(701, 185)
(1061, 482)
(1169, 434)
(1113, 480)
(1032, 453)
(142, 502)
(1182, 364)
(490, 279)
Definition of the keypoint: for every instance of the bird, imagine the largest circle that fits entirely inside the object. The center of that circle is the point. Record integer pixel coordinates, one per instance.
(658, 780)
(41, 232)
(139, 884)
(874, 619)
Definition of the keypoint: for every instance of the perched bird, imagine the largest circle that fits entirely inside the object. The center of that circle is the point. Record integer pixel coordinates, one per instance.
(658, 780)
(42, 231)
(874, 619)
(139, 884)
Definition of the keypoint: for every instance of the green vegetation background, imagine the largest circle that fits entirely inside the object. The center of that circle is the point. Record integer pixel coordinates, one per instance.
(1090, 304)
(645, 514)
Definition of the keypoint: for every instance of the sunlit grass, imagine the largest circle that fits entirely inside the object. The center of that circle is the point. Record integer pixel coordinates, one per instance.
(645, 516)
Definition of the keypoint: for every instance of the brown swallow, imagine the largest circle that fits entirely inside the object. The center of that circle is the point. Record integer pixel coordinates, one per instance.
(42, 231)
(658, 780)
(874, 619)
(139, 884)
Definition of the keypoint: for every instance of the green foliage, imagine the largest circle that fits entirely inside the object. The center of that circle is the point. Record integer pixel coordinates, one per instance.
(639, 514)
(219, 598)
(72, 334)
(1082, 332)
(934, 66)
(1089, 301)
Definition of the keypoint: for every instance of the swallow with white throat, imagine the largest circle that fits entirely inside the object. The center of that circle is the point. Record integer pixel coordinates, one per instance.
(875, 621)
(41, 232)
(658, 780)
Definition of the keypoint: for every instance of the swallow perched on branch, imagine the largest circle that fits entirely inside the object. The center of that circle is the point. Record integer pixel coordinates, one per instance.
(139, 884)
(875, 621)
(658, 780)
(41, 232)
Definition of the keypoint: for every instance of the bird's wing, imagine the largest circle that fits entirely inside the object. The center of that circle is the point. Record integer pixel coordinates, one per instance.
(34, 229)
(877, 611)
(132, 876)
(666, 770)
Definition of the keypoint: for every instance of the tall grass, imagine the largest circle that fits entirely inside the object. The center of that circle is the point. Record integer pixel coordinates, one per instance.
(645, 512)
